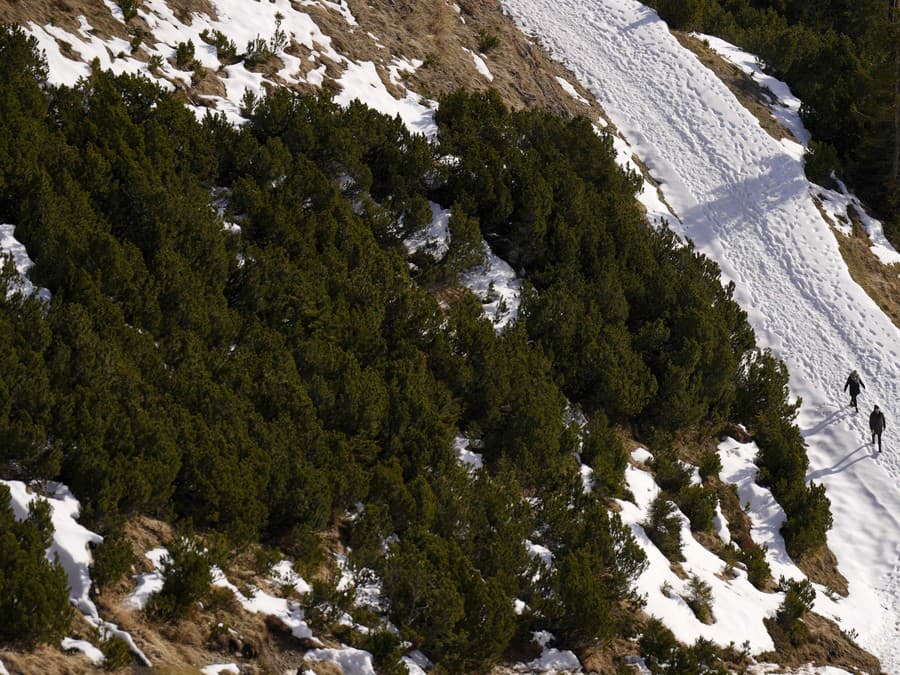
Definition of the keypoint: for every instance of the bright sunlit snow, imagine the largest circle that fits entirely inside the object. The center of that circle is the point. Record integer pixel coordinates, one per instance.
(85, 647)
(148, 583)
(10, 246)
(743, 198)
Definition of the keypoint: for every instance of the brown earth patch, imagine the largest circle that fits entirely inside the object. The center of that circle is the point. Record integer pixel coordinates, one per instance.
(63, 13)
(609, 659)
(881, 282)
(821, 642)
(433, 32)
(821, 567)
(184, 9)
(752, 95)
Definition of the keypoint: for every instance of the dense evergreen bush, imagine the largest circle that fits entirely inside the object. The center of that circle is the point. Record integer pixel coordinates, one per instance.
(663, 527)
(112, 559)
(186, 579)
(34, 592)
(267, 383)
(699, 505)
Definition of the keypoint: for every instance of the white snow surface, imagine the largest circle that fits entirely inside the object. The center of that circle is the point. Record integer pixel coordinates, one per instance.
(473, 460)
(83, 646)
(551, 660)
(149, 583)
(738, 607)
(569, 88)
(289, 611)
(70, 538)
(11, 246)
(435, 237)
(495, 283)
(218, 668)
(743, 198)
(480, 65)
(352, 661)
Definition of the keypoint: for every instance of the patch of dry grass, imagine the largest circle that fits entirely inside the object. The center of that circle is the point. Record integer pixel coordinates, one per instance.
(824, 644)
(881, 282)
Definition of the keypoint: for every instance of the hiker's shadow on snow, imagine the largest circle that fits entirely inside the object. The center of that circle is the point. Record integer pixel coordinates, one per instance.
(842, 465)
(740, 208)
(643, 21)
(836, 416)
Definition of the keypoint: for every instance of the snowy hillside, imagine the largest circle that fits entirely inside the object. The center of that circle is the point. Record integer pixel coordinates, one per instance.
(740, 195)
(743, 199)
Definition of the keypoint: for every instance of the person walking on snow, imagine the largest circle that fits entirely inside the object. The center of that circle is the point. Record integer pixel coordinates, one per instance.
(877, 425)
(854, 383)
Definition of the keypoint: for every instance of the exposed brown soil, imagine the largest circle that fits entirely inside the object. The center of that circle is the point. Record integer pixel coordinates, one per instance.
(881, 282)
(610, 658)
(433, 32)
(820, 642)
(821, 567)
(63, 13)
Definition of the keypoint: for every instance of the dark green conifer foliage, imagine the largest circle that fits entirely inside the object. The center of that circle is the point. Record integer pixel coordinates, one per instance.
(267, 383)
(34, 592)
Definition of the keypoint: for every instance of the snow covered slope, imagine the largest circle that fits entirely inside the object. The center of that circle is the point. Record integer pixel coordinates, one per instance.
(744, 200)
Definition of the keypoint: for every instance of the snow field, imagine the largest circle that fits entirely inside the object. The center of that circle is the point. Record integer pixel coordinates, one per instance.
(743, 198)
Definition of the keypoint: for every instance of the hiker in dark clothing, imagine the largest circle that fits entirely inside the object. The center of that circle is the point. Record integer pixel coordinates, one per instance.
(854, 383)
(876, 424)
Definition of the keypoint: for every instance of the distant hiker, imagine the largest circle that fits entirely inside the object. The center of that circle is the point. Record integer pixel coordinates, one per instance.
(854, 383)
(876, 424)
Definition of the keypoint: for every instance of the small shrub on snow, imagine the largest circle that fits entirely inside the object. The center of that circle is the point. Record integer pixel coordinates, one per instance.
(710, 465)
(187, 579)
(758, 570)
(798, 599)
(664, 528)
(699, 505)
(699, 599)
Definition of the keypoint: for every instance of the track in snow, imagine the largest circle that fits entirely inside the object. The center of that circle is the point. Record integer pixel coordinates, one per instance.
(743, 199)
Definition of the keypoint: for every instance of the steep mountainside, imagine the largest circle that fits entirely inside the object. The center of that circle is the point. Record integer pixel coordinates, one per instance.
(263, 366)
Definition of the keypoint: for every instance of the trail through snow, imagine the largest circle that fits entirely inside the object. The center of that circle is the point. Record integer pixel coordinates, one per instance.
(742, 197)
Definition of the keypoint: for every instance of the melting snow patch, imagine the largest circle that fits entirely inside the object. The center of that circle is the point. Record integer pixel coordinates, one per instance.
(350, 660)
(551, 660)
(361, 81)
(461, 446)
(288, 611)
(70, 546)
(149, 583)
(284, 574)
(495, 283)
(786, 107)
(641, 455)
(720, 525)
(218, 668)
(435, 238)
(9, 245)
(85, 647)
(399, 65)
(480, 65)
(571, 91)
(837, 204)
